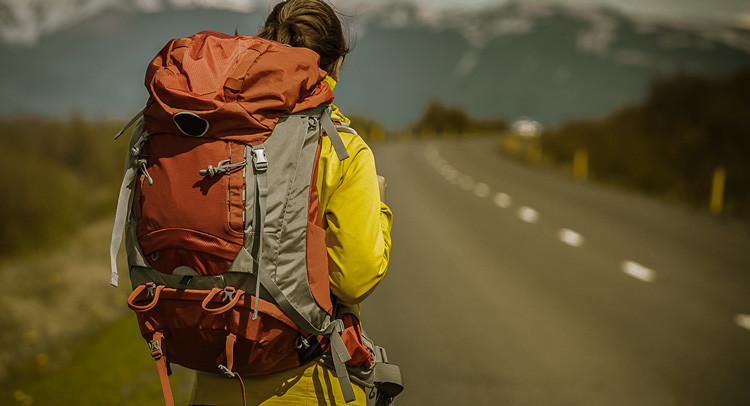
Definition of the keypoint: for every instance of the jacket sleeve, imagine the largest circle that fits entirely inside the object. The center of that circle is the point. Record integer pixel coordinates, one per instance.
(358, 228)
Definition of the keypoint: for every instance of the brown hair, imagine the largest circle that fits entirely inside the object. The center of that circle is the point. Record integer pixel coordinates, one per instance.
(311, 24)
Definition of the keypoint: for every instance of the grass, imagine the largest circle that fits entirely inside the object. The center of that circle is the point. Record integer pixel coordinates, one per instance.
(112, 368)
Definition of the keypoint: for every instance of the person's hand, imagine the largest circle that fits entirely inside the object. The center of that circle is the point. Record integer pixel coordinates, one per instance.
(382, 186)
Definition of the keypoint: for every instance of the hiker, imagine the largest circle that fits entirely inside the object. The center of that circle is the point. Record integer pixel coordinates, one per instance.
(356, 220)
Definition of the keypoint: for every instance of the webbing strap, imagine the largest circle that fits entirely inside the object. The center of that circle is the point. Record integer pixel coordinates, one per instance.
(261, 188)
(340, 356)
(333, 135)
(161, 366)
(227, 370)
(131, 122)
(339, 352)
(231, 339)
(123, 206)
(242, 388)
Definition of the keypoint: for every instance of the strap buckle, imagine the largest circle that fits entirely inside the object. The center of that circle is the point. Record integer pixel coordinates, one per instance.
(301, 342)
(155, 347)
(224, 370)
(228, 294)
(150, 289)
(259, 159)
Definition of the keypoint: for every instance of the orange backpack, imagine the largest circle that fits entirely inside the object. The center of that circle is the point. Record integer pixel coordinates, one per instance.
(219, 212)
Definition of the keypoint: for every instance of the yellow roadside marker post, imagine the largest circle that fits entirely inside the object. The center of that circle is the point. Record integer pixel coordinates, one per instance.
(581, 164)
(717, 190)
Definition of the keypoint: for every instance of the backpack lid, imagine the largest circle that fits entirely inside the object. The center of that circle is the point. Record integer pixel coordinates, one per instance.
(239, 85)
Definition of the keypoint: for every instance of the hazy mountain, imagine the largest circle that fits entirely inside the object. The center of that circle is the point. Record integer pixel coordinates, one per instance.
(544, 62)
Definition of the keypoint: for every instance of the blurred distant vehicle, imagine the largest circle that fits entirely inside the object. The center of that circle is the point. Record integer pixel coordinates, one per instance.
(527, 128)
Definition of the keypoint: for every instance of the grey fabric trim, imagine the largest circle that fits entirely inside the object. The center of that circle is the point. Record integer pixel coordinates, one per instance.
(312, 112)
(384, 379)
(387, 378)
(126, 192)
(125, 198)
(243, 263)
(132, 247)
(291, 151)
(290, 310)
(141, 275)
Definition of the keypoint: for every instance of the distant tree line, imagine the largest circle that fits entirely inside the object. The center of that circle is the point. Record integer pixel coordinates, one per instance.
(441, 120)
(670, 144)
(61, 174)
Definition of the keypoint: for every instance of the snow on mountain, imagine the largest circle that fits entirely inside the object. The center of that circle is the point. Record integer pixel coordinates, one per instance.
(24, 22)
(550, 62)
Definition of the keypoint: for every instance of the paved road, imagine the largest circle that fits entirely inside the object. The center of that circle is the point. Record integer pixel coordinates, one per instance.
(517, 286)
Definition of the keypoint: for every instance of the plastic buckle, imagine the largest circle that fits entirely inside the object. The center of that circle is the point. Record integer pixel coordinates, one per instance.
(150, 289)
(301, 342)
(228, 294)
(383, 355)
(155, 348)
(259, 159)
(224, 370)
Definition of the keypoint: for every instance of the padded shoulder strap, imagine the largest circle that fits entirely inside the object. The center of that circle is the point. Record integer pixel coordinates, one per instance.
(323, 112)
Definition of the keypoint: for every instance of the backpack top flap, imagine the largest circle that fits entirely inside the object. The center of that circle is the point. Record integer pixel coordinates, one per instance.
(230, 87)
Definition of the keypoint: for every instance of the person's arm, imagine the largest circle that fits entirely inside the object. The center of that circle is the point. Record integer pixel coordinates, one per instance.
(358, 229)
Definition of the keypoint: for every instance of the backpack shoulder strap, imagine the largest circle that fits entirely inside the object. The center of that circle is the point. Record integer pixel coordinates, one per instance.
(333, 134)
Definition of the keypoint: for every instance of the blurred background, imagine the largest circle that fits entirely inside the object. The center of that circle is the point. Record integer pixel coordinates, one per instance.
(570, 182)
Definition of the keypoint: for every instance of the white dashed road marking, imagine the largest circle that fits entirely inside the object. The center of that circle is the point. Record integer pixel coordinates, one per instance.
(531, 216)
(638, 271)
(503, 200)
(482, 190)
(528, 215)
(449, 173)
(570, 237)
(743, 320)
(466, 182)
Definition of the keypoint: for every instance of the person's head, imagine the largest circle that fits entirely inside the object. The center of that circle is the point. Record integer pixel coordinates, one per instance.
(311, 24)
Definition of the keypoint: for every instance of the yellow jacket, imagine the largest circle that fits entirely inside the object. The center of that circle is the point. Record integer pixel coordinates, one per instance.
(358, 238)
(358, 225)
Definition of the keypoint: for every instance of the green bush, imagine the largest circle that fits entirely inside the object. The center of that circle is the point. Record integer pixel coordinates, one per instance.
(58, 175)
(439, 119)
(670, 144)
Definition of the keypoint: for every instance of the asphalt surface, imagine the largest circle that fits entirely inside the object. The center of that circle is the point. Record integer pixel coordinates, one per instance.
(514, 285)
